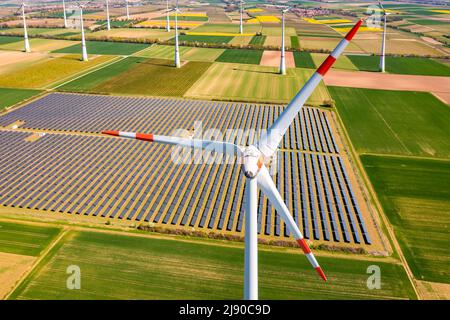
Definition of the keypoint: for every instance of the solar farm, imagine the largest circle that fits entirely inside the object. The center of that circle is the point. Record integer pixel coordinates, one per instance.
(187, 146)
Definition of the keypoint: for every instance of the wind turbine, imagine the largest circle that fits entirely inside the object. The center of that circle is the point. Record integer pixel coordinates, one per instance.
(283, 60)
(241, 10)
(254, 159)
(108, 23)
(25, 32)
(64, 14)
(177, 49)
(167, 16)
(383, 41)
(84, 55)
(128, 10)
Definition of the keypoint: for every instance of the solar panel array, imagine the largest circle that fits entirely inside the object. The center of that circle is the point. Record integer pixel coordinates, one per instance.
(136, 180)
(91, 113)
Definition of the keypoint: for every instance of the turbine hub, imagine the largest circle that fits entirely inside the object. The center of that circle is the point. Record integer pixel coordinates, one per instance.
(253, 161)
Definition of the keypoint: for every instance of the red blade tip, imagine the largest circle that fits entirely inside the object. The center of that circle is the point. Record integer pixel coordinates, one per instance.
(321, 274)
(111, 133)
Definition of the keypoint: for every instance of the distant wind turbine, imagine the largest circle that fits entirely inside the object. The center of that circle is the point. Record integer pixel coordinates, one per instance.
(167, 16)
(383, 40)
(241, 22)
(64, 14)
(283, 59)
(253, 160)
(177, 48)
(108, 23)
(128, 10)
(25, 32)
(84, 55)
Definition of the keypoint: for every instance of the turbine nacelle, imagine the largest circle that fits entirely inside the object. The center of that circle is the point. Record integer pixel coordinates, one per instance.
(252, 160)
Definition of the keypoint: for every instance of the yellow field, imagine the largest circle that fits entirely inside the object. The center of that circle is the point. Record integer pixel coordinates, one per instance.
(264, 19)
(191, 14)
(361, 29)
(328, 21)
(441, 11)
(225, 34)
(255, 10)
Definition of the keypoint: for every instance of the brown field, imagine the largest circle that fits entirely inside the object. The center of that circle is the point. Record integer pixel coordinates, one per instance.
(50, 22)
(276, 41)
(372, 80)
(328, 44)
(398, 46)
(11, 59)
(217, 15)
(37, 44)
(143, 15)
(433, 290)
(244, 40)
(12, 268)
(272, 59)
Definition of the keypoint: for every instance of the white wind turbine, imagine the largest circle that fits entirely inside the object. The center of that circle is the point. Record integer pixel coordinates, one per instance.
(254, 159)
(383, 40)
(177, 48)
(25, 32)
(64, 14)
(283, 60)
(241, 22)
(108, 23)
(128, 10)
(84, 55)
(167, 16)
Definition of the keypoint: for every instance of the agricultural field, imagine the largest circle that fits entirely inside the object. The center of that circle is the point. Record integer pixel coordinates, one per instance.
(304, 60)
(202, 54)
(343, 63)
(258, 40)
(204, 38)
(106, 48)
(133, 33)
(172, 269)
(11, 97)
(226, 28)
(9, 39)
(239, 82)
(155, 77)
(394, 122)
(319, 43)
(90, 81)
(246, 56)
(38, 44)
(25, 239)
(44, 73)
(414, 194)
(162, 52)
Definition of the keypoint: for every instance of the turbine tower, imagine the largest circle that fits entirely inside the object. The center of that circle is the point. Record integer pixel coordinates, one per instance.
(25, 32)
(128, 10)
(84, 55)
(177, 48)
(167, 16)
(64, 14)
(383, 40)
(241, 10)
(253, 160)
(108, 23)
(283, 60)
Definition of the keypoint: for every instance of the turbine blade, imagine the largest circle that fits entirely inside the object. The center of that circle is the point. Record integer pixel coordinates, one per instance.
(217, 146)
(267, 186)
(269, 141)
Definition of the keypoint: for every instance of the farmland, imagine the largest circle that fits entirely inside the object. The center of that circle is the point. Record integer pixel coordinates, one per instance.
(25, 239)
(172, 269)
(107, 48)
(155, 77)
(162, 52)
(205, 39)
(253, 83)
(44, 73)
(414, 194)
(39, 45)
(241, 56)
(394, 122)
(303, 60)
(11, 97)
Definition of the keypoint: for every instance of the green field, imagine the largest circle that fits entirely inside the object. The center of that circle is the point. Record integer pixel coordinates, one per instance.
(8, 39)
(93, 79)
(415, 195)
(10, 97)
(116, 266)
(241, 56)
(402, 65)
(162, 52)
(258, 40)
(47, 72)
(294, 42)
(25, 239)
(427, 22)
(110, 48)
(343, 62)
(304, 60)
(241, 82)
(394, 122)
(183, 18)
(204, 39)
(155, 77)
(202, 54)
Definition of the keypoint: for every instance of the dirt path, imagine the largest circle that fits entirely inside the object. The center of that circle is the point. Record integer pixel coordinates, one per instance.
(372, 80)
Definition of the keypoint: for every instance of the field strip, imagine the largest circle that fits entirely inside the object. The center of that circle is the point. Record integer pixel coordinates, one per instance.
(381, 213)
(36, 263)
(84, 73)
(404, 156)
